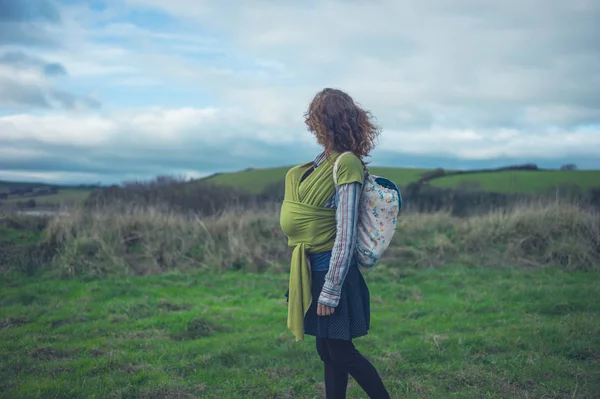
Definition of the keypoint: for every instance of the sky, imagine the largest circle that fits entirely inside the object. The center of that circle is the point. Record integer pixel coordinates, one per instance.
(112, 90)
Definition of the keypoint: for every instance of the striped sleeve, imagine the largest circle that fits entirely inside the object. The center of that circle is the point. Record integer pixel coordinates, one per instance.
(348, 196)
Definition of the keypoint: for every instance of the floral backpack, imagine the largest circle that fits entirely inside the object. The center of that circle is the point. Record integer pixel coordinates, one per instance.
(379, 206)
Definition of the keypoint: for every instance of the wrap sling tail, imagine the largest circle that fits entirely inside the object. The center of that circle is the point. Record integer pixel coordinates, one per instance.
(313, 231)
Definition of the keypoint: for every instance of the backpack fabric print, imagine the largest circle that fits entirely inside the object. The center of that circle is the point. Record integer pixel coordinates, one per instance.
(379, 206)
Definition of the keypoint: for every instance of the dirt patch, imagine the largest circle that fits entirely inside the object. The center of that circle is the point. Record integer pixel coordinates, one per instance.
(97, 352)
(585, 353)
(196, 328)
(48, 353)
(64, 322)
(279, 372)
(173, 307)
(174, 392)
(12, 322)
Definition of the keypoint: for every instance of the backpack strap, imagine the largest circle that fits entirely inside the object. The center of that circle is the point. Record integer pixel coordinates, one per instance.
(336, 164)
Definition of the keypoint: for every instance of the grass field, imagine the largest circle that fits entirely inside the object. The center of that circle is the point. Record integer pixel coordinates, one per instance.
(5, 185)
(256, 180)
(526, 182)
(67, 196)
(462, 308)
(438, 333)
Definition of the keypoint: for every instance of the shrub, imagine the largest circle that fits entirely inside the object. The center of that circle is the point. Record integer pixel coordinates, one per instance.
(146, 240)
(199, 197)
(569, 166)
(26, 204)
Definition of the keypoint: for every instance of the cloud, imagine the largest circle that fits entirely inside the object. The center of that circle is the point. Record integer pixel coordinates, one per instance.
(19, 59)
(129, 144)
(54, 69)
(208, 86)
(27, 88)
(147, 142)
(470, 64)
(27, 80)
(28, 22)
(28, 10)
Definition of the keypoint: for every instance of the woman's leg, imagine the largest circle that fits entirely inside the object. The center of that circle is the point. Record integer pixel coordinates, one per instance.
(336, 378)
(344, 356)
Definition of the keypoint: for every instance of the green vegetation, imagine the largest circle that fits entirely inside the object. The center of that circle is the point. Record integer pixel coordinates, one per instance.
(146, 301)
(20, 195)
(523, 182)
(5, 186)
(251, 180)
(137, 240)
(255, 181)
(63, 197)
(16, 245)
(437, 333)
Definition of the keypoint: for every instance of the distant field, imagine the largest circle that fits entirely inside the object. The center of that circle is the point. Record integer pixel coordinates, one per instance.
(5, 186)
(255, 181)
(526, 182)
(64, 195)
(67, 196)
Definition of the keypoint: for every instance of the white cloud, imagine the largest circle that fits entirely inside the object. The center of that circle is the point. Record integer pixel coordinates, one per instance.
(466, 79)
(156, 128)
(62, 177)
(474, 56)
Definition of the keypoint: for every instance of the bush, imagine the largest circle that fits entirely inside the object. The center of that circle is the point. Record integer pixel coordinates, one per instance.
(569, 166)
(29, 204)
(275, 191)
(146, 240)
(200, 197)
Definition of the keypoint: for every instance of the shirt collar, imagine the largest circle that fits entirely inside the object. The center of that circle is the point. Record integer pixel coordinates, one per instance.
(319, 159)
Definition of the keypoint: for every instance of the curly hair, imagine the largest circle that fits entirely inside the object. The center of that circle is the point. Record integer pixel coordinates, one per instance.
(340, 124)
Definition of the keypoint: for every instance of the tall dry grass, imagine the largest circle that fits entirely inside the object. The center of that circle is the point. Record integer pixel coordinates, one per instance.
(145, 240)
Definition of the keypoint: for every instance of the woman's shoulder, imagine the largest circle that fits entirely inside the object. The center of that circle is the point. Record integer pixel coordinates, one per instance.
(350, 161)
(350, 169)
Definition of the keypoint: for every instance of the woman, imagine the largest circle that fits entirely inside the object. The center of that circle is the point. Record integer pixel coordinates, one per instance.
(328, 297)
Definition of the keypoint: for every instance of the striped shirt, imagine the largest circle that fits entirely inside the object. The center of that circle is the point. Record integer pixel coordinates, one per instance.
(345, 201)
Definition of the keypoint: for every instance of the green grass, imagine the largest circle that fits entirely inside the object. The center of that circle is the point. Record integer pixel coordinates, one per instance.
(5, 186)
(253, 180)
(21, 237)
(452, 332)
(526, 182)
(65, 196)
(256, 180)
(16, 245)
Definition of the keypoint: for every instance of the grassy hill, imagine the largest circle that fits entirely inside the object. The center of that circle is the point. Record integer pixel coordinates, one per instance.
(525, 182)
(15, 194)
(256, 180)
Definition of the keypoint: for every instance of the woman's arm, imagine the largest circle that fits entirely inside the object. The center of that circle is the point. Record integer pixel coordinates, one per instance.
(348, 196)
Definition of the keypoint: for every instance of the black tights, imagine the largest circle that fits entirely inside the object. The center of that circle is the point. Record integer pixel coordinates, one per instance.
(342, 358)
